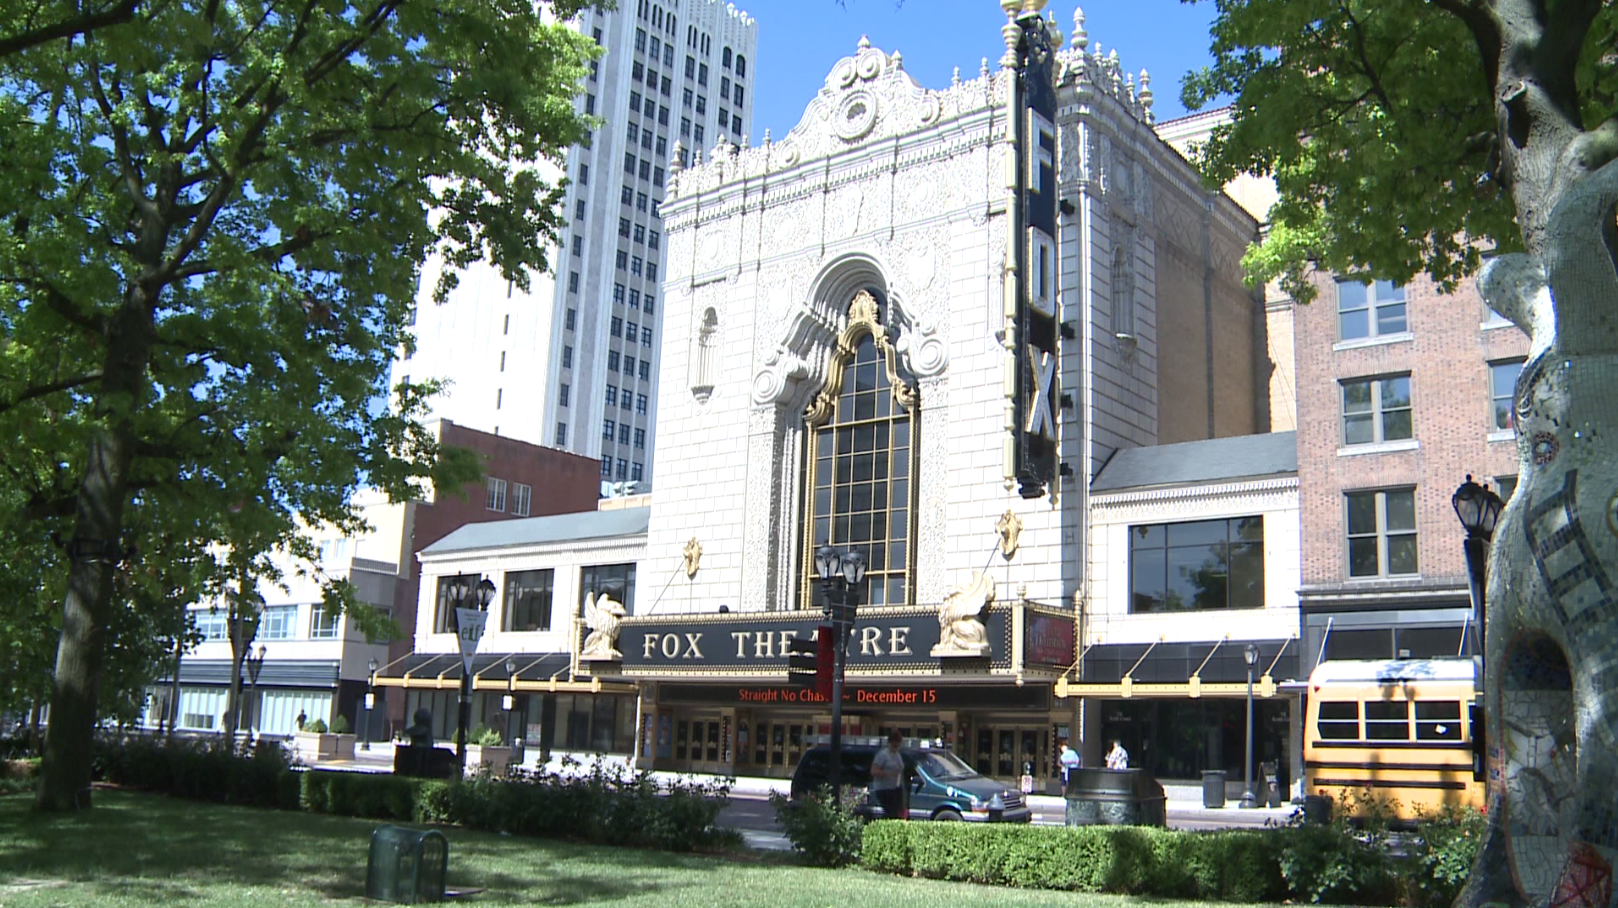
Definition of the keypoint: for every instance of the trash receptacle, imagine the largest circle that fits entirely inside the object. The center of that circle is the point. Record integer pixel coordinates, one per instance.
(406, 865)
(1272, 785)
(1316, 810)
(1213, 788)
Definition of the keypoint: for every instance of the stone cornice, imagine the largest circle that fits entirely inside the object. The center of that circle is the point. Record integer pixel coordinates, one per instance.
(1106, 500)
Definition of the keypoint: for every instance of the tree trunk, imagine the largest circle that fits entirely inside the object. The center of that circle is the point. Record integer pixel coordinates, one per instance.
(64, 774)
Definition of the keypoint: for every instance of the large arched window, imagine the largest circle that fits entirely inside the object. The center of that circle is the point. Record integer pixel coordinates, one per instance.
(860, 487)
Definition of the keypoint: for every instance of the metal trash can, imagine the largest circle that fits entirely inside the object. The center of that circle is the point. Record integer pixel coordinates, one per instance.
(406, 865)
(1316, 810)
(1213, 788)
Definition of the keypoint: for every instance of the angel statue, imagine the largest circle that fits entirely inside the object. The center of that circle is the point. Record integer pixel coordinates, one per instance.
(960, 630)
(602, 615)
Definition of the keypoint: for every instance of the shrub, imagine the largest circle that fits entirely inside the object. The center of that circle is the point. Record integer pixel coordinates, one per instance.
(824, 830)
(202, 769)
(314, 727)
(371, 795)
(1347, 860)
(483, 736)
(1227, 866)
(339, 724)
(1441, 856)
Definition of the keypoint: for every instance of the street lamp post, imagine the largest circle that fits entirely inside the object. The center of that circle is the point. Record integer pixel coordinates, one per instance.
(1250, 654)
(510, 704)
(1478, 507)
(254, 666)
(370, 702)
(840, 578)
(463, 594)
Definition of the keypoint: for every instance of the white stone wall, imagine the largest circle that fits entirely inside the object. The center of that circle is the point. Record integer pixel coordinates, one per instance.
(567, 560)
(1108, 619)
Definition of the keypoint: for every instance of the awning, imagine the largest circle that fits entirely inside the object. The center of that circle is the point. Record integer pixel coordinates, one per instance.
(534, 673)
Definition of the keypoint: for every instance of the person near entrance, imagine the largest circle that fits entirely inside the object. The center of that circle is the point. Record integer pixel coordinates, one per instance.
(887, 778)
(1069, 760)
(1117, 758)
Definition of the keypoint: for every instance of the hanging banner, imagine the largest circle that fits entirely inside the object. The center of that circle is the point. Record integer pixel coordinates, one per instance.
(469, 624)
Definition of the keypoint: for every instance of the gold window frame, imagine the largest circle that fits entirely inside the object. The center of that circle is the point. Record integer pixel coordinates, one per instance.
(863, 320)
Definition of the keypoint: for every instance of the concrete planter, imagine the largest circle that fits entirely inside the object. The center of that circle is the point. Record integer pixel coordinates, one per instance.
(316, 746)
(493, 758)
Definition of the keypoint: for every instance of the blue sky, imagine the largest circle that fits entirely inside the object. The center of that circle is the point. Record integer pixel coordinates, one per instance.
(800, 40)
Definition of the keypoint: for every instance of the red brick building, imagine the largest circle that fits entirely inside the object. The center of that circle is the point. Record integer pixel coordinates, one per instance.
(521, 480)
(1401, 393)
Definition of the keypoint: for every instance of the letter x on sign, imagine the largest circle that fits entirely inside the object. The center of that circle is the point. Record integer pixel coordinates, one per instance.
(1040, 419)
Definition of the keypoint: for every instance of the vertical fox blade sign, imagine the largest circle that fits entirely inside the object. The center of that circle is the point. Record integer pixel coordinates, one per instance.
(1037, 384)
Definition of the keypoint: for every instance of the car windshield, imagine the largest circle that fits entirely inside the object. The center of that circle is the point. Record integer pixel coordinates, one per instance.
(944, 765)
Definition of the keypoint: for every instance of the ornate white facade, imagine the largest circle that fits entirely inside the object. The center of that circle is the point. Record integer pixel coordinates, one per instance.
(897, 189)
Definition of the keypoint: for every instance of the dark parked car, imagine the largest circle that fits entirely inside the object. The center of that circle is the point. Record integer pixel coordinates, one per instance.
(939, 786)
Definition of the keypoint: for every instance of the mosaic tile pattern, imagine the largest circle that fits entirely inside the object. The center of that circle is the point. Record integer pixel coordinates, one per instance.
(1552, 659)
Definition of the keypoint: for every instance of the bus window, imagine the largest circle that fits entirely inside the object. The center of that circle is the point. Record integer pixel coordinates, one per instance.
(1438, 720)
(1339, 721)
(1387, 721)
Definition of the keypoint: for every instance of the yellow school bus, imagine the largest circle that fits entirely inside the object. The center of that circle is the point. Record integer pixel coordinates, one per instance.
(1400, 729)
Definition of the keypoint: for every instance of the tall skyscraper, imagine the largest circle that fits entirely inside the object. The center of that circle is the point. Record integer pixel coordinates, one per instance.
(573, 362)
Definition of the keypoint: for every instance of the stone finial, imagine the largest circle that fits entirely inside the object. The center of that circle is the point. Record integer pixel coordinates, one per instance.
(1129, 87)
(747, 140)
(1011, 33)
(865, 43)
(1117, 72)
(675, 163)
(955, 80)
(1010, 8)
(1081, 38)
(898, 61)
(767, 137)
(983, 69)
(1146, 97)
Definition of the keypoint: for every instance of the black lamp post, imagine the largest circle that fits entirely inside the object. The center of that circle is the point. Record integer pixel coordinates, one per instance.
(462, 593)
(254, 666)
(1478, 507)
(840, 577)
(1250, 655)
(370, 702)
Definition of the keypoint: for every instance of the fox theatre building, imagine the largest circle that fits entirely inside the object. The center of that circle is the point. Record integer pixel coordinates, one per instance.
(883, 333)
(717, 697)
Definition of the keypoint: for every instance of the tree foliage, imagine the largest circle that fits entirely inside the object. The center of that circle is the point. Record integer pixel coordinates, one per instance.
(1399, 132)
(213, 216)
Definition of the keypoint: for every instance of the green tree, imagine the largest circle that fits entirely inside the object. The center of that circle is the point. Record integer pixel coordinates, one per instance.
(1409, 136)
(212, 221)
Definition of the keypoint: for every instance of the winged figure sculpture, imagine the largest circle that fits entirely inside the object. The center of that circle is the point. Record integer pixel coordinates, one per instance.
(960, 629)
(602, 615)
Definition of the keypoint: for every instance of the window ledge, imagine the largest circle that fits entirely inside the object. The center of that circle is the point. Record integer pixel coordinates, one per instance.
(1377, 341)
(1506, 435)
(1493, 324)
(1384, 580)
(1386, 447)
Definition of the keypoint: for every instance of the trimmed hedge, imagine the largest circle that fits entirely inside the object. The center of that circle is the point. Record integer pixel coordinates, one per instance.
(608, 806)
(1238, 866)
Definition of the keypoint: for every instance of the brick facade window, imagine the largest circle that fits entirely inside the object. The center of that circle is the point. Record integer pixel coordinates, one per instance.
(1376, 409)
(1370, 310)
(1502, 389)
(1382, 533)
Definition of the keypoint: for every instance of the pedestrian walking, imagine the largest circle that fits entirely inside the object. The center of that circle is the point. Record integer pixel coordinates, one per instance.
(887, 778)
(1117, 758)
(1069, 760)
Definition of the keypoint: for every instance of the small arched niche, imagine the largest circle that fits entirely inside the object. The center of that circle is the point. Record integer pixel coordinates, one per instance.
(705, 358)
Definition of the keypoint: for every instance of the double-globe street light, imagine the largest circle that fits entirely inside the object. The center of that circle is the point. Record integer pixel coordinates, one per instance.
(463, 594)
(1250, 655)
(1479, 508)
(255, 664)
(841, 574)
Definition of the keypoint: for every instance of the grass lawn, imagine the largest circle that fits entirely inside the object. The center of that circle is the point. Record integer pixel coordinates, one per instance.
(136, 849)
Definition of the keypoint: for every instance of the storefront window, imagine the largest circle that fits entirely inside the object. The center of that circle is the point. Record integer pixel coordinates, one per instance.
(528, 600)
(1206, 564)
(615, 580)
(860, 457)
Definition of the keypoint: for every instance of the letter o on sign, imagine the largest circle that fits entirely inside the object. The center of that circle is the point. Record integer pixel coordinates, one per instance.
(671, 645)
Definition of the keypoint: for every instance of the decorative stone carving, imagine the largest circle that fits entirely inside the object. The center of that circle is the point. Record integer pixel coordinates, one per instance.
(961, 633)
(693, 557)
(602, 615)
(1010, 529)
(773, 383)
(863, 318)
(925, 353)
